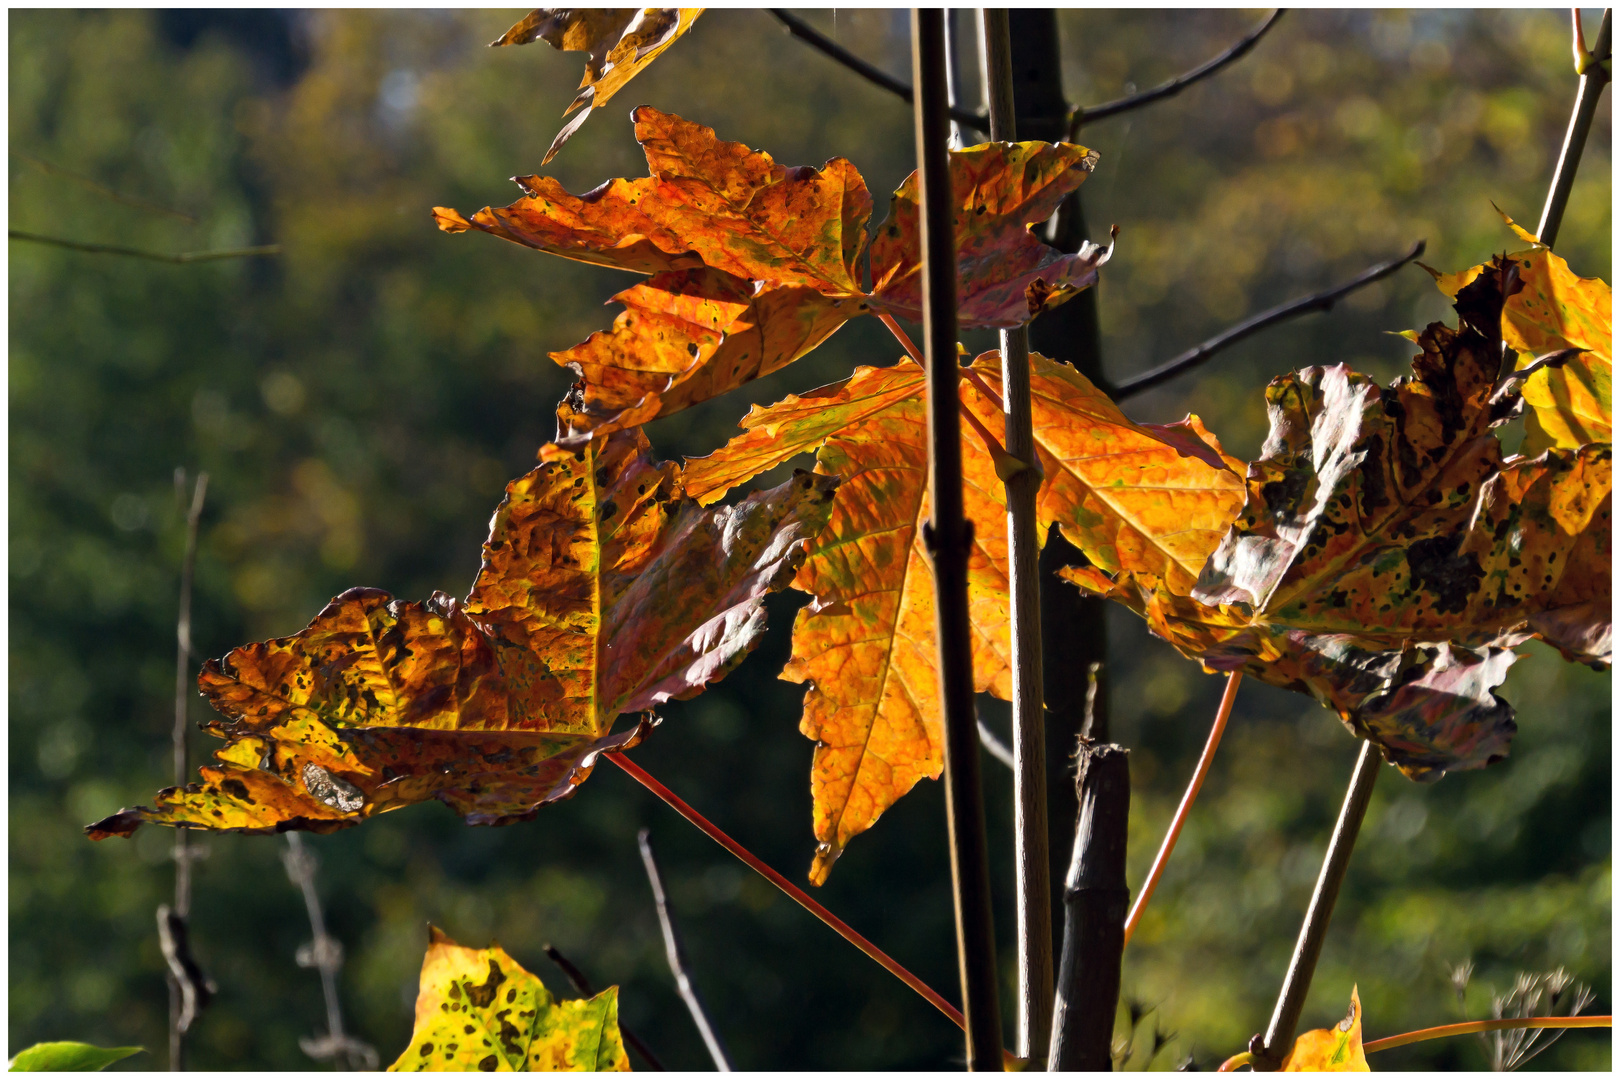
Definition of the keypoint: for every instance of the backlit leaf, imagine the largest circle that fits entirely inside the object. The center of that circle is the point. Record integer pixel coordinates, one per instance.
(1005, 274)
(1334, 1049)
(1571, 405)
(603, 591)
(1388, 560)
(866, 644)
(70, 1057)
(686, 336)
(705, 202)
(620, 41)
(479, 1010)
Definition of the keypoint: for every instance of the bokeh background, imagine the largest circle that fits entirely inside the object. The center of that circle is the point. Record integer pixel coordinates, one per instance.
(360, 400)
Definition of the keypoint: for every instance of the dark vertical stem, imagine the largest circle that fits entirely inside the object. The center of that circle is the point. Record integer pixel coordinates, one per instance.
(675, 951)
(1593, 80)
(1074, 628)
(1032, 856)
(1285, 1019)
(947, 537)
(181, 1012)
(1094, 900)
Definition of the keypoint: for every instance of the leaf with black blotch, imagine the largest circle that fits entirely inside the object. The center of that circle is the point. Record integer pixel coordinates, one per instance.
(479, 1010)
(620, 41)
(604, 591)
(1388, 560)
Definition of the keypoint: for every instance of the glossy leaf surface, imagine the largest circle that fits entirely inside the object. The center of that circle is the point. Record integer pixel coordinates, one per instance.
(478, 1010)
(70, 1057)
(1005, 274)
(603, 591)
(620, 41)
(1334, 1049)
(1387, 559)
(1573, 404)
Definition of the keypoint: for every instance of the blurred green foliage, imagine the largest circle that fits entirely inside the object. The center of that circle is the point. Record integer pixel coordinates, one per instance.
(360, 400)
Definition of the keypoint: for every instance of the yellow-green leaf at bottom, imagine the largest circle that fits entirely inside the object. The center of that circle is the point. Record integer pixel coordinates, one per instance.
(1334, 1049)
(479, 1010)
(70, 1057)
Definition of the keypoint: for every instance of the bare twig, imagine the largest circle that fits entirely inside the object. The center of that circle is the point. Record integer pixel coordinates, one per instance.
(948, 539)
(135, 253)
(1094, 900)
(676, 953)
(871, 73)
(1180, 819)
(582, 986)
(1031, 859)
(1085, 114)
(1279, 1038)
(992, 742)
(1321, 301)
(188, 986)
(325, 954)
(101, 189)
(1593, 68)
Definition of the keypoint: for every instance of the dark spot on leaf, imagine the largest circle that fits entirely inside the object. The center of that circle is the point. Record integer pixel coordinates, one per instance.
(427, 1048)
(488, 1064)
(483, 996)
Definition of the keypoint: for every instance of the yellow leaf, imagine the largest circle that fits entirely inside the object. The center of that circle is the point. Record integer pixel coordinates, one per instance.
(479, 1010)
(1334, 1049)
(620, 41)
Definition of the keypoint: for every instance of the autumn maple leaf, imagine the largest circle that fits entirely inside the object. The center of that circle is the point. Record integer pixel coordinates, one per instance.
(1127, 494)
(754, 263)
(604, 591)
(1388, 559)
(1571, 404)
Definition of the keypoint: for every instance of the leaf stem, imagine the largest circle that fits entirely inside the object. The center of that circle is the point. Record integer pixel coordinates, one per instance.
(1285, 1019)
(1594, 78)
(1471, 1026)
(759, 866)
(675, 952)
(1320, 301)
(188, 991)
(1031, 844)
(1175, 85)
(1182, 811)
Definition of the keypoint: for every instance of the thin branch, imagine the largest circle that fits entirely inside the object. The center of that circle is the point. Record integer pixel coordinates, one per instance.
(798, 895)
(136, 253)
(1185, 808)
(1032, 871)
(1270, 1051)
(676, 952)
(1508, 1024)
(871, 73)
(324, 953)
(1321, 301)
(101, 189)
(992, 742)
(1083, 115)
(188, 986)
(1594, 72)
(582, 986)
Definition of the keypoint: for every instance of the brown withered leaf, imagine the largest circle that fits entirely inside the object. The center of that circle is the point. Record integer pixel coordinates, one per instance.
(620, 41)
(604, 591)
(686, 336)
(1571, 404)
(1388, 559)
(866, 643)
(1005, 274)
